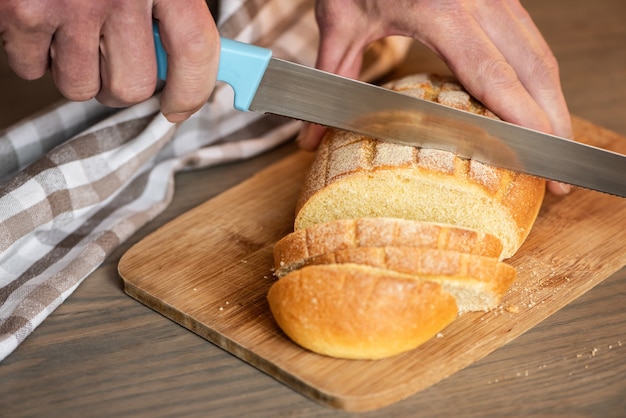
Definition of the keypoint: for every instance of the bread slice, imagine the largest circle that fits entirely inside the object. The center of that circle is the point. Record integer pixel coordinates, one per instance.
(359, 312)
(294, 249)
(477, 283)
(354, 176)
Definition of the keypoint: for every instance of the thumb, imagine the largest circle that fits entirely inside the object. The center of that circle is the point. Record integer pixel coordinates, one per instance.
(191, 40)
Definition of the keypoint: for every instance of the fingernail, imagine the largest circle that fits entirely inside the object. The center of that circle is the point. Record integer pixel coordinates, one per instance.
(303, 134)
(563, 188)
(177, 117)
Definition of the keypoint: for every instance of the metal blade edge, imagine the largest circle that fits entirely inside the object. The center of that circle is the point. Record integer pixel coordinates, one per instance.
(304, 93)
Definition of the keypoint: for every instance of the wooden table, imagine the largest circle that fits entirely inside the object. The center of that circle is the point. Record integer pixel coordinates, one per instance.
(101, 353)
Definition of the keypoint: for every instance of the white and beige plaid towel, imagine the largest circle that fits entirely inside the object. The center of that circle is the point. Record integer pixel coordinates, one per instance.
(79, 179)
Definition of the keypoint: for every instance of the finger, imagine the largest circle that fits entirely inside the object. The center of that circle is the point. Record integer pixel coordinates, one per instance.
(342, 40)
(558, 189)
(340, 55)
(489, 77)
(518, 39)
(536, 67)
(28, 58)
(74, 60)
(191, 41)
(128, 59)
(26, 44)
(486, 74)
(310, 136)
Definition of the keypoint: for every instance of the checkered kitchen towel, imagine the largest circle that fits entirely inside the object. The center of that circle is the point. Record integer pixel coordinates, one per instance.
(79, 179)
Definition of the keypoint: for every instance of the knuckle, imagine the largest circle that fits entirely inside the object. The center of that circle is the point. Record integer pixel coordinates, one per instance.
(28, 14)
(498, 74)
(545, 65)
(198, 49)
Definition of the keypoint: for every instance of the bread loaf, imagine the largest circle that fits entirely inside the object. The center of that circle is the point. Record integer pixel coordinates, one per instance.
(359, 312)
(354, 176)
(391, 242)
(292, 251)
(476, 282)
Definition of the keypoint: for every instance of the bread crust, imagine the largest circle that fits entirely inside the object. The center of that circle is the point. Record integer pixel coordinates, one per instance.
(330, 310)
(293, 250)
(355, 176)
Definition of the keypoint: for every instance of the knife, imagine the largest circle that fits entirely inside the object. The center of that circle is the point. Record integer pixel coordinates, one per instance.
(266, 84)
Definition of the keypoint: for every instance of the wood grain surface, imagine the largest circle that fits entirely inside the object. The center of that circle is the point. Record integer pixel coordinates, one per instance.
(210, 269)
(103, 354)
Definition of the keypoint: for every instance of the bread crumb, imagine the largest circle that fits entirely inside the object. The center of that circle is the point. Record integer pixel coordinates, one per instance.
(439, 335)
(512, 309)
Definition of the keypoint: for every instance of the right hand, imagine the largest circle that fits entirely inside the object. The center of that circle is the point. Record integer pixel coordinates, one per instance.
(105, 50)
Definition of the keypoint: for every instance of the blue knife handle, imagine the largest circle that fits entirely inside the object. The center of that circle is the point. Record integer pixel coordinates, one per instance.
(241, 65)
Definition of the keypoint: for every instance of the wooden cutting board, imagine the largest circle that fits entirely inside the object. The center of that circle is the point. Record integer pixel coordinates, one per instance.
(210, 269)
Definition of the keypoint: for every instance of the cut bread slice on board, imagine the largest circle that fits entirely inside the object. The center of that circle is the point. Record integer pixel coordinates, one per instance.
(477, 283)
(293, 250)
(359, 312)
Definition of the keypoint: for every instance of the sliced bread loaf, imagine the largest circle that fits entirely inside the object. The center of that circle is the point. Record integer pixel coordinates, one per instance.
(391, 242)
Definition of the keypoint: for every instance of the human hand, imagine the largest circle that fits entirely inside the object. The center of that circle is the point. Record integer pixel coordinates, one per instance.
(105, 49)
(493, 48)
